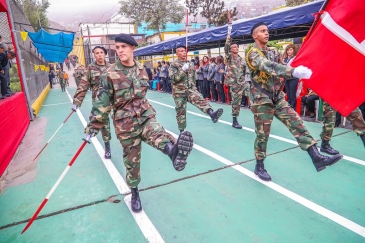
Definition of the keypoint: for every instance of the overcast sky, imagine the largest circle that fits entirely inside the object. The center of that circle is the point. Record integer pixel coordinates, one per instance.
(70, 11)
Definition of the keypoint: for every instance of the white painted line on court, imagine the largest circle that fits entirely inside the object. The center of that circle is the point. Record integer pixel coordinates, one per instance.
(61, 103)
(58, 104)
(358, 229)
(355, 160)
(142, 220)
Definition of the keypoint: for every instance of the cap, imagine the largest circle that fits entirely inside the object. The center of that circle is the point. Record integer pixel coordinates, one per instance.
(257, 25)
(124, 38)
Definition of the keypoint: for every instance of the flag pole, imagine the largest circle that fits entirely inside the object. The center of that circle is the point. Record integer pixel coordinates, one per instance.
(316, 19)
(54, 187)
(53, 135)
(186, 28)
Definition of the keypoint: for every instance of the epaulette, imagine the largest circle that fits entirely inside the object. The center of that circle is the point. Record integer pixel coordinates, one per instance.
(263, 77)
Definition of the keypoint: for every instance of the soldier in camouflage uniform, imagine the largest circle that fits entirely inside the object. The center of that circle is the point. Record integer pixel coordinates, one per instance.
(79, 72)
(91, 79)
(267, 100)
(329, 118)
(61, 80)
(123, 88)
(183, 81)
(235, 77)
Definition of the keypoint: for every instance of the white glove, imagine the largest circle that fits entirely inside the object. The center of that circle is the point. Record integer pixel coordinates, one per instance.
(87, 137)
(74, 107)
(302, 72)
(186, 67)
(229, 28)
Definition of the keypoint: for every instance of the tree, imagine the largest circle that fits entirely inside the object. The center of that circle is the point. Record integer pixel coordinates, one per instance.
(223, 18)
(212, 10)
(155, 13)
(35, 12)
(291, 3)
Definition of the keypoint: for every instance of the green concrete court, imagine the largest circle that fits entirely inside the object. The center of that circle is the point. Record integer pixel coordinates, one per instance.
(207, 202)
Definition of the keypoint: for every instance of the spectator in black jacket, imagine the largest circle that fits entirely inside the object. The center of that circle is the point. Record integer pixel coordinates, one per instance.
(205, 86)
(219, 77)
(148, 71)
(211, 78)
(200, 77)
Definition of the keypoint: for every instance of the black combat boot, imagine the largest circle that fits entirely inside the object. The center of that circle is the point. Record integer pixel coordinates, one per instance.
(235, 123)
(320, 161)
(215, 114)
(363, 138)
(261, 172)
(326, 148)
(136, 201)
(107, 153)
(180, 151)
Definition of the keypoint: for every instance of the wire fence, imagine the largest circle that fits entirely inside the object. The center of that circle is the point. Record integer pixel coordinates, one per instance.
(36, 80)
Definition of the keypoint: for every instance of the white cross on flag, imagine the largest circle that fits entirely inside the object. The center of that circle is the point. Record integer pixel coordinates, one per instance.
(335, 52)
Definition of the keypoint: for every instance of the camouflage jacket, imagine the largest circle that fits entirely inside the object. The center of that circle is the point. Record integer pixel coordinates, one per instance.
(265, 61)
(91, 78)
(181, 80)
(236, 67)
(79, 72)
(122, 89)
(60, 76)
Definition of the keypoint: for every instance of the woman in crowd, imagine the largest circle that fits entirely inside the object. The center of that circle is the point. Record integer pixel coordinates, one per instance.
(211, 78)
(219, 77)
(205, 89)
(290, 84)
(200, 77)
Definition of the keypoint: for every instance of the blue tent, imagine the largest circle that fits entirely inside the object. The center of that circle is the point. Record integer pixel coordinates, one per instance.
(286, 23)
(53, 47)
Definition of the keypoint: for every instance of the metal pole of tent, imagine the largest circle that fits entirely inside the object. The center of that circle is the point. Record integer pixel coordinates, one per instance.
(107, 38)
(88, 32)
(19, 60)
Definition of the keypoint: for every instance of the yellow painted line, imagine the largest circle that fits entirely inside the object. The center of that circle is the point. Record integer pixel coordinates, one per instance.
(36, 106)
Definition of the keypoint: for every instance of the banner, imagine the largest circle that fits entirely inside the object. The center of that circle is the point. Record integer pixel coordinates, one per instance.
(335, 52)
(24, 35)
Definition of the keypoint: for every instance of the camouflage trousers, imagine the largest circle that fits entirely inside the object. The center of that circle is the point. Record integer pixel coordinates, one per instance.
(105, 130)
(263, 116)
(193, 97)
(62, 84)
(152, 133)
(237, 91)
(329, 118)
(236, 94)
(77, 81)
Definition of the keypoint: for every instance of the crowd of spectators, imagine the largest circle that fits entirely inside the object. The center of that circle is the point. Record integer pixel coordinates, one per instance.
(210, 75)
(6, 55)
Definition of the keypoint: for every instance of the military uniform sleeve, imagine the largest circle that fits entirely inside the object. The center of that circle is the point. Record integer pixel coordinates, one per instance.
(81, 91)
(263, 64)
(175, 74)
(227, 49)
(102, 106)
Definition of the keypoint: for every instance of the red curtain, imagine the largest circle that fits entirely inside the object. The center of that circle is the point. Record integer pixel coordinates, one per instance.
(14, 123)
(3, 6)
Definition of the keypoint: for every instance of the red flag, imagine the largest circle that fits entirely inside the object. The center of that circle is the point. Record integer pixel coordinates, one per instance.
(335, 52)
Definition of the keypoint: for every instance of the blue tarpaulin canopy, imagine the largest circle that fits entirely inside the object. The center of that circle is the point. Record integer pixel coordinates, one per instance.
(286, 23)
(53, 47)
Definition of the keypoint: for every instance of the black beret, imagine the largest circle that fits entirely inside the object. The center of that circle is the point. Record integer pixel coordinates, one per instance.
(124, 38)
(100, 47)
(181, 46)
(257, 25)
